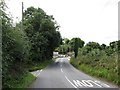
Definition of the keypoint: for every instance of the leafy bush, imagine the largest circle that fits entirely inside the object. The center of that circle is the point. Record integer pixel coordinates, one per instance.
(15, 54)
(101, 62)
(26, 48)
(41, 65)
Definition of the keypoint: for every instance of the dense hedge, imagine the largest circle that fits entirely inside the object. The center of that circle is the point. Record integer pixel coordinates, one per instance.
(99, 61)
(15, 48)
(26, 47)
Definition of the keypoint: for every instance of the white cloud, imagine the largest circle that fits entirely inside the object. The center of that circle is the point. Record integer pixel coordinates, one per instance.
(91, 20)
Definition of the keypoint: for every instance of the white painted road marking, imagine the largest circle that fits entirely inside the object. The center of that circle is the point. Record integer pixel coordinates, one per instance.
(41, 70)
(61, 70)
(89, 83)
(103, 84)
(36, 73)
(57, 60)
(70, 82)
(83, 83)
(61, 65)
(39, 73)
(95, 83)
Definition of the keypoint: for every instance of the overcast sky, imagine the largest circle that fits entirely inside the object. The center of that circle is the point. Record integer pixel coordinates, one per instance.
(91, 20)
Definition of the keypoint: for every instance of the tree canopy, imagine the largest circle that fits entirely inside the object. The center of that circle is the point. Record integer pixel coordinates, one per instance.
(42, 31)
(29, 46)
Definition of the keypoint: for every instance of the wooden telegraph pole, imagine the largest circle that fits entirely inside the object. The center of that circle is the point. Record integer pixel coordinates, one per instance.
(22, 17)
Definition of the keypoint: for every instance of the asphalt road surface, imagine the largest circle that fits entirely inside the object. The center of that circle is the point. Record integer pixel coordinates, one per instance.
(62, 74)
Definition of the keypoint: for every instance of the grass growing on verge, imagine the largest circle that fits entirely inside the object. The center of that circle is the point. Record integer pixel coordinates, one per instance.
(96, 71)
(25, 81)
(22, 81)
(41, 65)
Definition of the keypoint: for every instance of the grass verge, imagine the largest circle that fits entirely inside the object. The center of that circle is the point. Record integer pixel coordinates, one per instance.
(25, 81)
(97, 72)
(20, 83)
(41, 65)
(28, 78)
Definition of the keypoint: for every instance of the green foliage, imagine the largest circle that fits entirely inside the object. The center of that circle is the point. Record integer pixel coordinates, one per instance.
(69, 45)
(25, 81)
(42, 32)
(41, 65)
(22, 82)
(66, 41)
(99, 60)
(15, 52)
(25, 49)
(76, 47)
(80, 43)
(93, 45)
(63, 49)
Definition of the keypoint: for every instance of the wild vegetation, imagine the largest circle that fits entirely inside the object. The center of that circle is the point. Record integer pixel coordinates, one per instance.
(27, 46)
(67, 45)
(98, 60)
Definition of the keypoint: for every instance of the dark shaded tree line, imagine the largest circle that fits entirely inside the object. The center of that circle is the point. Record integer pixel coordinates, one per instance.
(26, 47)
(43, 33)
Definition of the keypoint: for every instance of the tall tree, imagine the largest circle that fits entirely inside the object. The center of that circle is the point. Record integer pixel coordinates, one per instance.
(76, 47)
(80, 43)
(43, 33)
(103, 46)
(93, 45)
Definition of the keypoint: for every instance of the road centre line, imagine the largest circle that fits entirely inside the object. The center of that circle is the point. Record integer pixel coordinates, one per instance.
(70, 82)
(61, 60)
(61, 70)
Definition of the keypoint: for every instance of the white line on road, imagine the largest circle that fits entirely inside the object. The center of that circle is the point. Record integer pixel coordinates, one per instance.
(61, 65)
(36, 72)
(103, 84)
(94, 82)
(39, 73)
(70, 82)
(61, 70)
(41, 70)
(89, 83)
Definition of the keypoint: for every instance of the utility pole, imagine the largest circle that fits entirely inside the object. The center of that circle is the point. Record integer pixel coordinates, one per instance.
(22, 17)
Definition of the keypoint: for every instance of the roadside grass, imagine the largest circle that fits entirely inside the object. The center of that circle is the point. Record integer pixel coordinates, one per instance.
(25, 81)
(41, 65)
(20, 82)
(98, 72)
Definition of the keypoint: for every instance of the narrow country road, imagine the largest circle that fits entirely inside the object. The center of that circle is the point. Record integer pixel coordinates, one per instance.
(62, 74)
